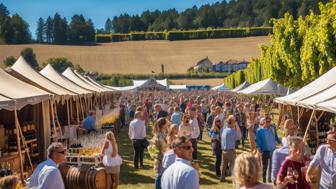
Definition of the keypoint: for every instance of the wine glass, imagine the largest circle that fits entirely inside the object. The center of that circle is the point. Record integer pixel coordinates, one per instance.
(296, 175)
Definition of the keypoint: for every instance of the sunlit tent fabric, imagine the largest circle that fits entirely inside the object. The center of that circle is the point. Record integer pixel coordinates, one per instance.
(221, 87)
(68, 73)
(266, 86)
(241, 86)
(20, 91)
(126, 88)
(23, 71)
(322, 83)
(102, 89)
(50, 73)
(6, 103)
(178, 87)
(96, 83)
(151, 84)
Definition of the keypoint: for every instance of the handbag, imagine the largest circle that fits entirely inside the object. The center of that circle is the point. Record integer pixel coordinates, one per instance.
(145, 143)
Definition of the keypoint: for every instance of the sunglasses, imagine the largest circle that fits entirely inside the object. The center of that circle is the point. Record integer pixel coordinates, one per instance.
(61, 152)
(186, 147)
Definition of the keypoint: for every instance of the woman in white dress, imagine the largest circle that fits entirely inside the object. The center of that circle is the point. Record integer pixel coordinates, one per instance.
(111, 159)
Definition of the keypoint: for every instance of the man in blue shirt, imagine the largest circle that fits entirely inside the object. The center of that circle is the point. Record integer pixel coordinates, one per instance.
(325, 158)
(176, 116)
(89, 123)
(229, 136)
(279, 155)
(181, 175)
(265, 139)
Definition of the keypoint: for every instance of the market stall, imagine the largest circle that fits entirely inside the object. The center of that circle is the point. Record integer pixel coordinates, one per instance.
(25, 124)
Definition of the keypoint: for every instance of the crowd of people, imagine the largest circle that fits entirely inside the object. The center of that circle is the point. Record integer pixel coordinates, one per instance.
(232, 122)
(179, 120)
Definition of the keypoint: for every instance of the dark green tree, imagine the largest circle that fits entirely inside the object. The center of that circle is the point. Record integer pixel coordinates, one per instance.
(9, 61)
(60, 29)
(29, 55)
(3, 11)
(40, 30)
(60, 64)
(20, 29)
(49, 30)
(108, 26)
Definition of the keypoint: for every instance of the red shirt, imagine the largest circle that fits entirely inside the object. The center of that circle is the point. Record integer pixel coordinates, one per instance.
(302, 183)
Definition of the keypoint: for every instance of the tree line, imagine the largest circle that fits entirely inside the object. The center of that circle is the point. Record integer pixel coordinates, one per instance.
(238, 13)
(301, 50)
(57, 30)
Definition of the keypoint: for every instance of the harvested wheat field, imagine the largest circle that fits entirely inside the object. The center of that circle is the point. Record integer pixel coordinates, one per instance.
(211, 82)
(145, 56)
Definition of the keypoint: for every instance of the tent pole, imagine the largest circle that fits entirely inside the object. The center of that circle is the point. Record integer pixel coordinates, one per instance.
(280, 114)
(53, 116)
(71, 108)
(308, 126)
(68, 111)
(18, 143)
(57, 121)
(26, 148)
(77, 110)
(81, 107)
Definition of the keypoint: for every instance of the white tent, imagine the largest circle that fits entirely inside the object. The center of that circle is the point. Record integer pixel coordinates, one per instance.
(221, 87)
(68, 73)
(103, 89)
(96, 83)
(178, 87)
(50, 73)
(126, 88)
(242, 86)
(23, 71)
(266, 86)
(322, 83)
(6, 103)
(20, 91)
(151, 84)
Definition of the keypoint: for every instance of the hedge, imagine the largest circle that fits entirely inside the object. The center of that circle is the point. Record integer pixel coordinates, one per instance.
(186, 35)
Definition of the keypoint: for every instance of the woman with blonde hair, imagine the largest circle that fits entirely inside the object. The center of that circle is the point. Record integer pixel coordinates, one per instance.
(159, 142)
(290, 130)
(291, 174)
(247, 172)
(251, 129)
(111, 159)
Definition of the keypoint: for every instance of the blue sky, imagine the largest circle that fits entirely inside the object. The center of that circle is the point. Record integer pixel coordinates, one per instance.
(97, 10)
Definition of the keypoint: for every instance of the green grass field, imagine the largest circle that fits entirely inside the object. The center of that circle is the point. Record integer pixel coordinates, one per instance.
(131, 178)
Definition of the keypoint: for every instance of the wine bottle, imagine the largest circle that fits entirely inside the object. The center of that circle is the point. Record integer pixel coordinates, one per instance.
(9, 169)
(2, 170)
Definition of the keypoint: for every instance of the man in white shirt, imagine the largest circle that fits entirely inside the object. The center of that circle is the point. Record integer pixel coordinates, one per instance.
(137, 133)
(195, 131)
(47, 175)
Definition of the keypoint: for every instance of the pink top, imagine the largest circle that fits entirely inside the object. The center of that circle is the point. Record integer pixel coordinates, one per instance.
(259, 186)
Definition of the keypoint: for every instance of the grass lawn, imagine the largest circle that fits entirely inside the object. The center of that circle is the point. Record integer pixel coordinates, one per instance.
(145, 178)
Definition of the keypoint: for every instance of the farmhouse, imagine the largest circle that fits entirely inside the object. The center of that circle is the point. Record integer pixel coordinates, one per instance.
(204, 65)
(230, 66)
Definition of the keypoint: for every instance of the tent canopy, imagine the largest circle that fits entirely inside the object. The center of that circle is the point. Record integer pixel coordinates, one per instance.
(242, 86)
(96, 83)
(320, 84)
(178, 87)
(6, 103)
(20, 91)
(221, 87)
(50, 73)
(266, 86)
(68, 73)
(23, 71)
(151, 84)
(98, 87)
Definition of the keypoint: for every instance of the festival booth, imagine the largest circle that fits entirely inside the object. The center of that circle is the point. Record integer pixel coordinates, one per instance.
(221, 87)
(266, 87)
(83, 94)
(151, 84)
(242, 86)
(62, 99)
(24, 124)
(313, 108)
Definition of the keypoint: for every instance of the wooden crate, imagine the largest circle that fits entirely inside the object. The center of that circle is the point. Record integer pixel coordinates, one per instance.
(80, 160)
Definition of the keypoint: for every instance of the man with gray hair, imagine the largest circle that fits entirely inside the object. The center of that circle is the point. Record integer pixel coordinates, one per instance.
(47, 175)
